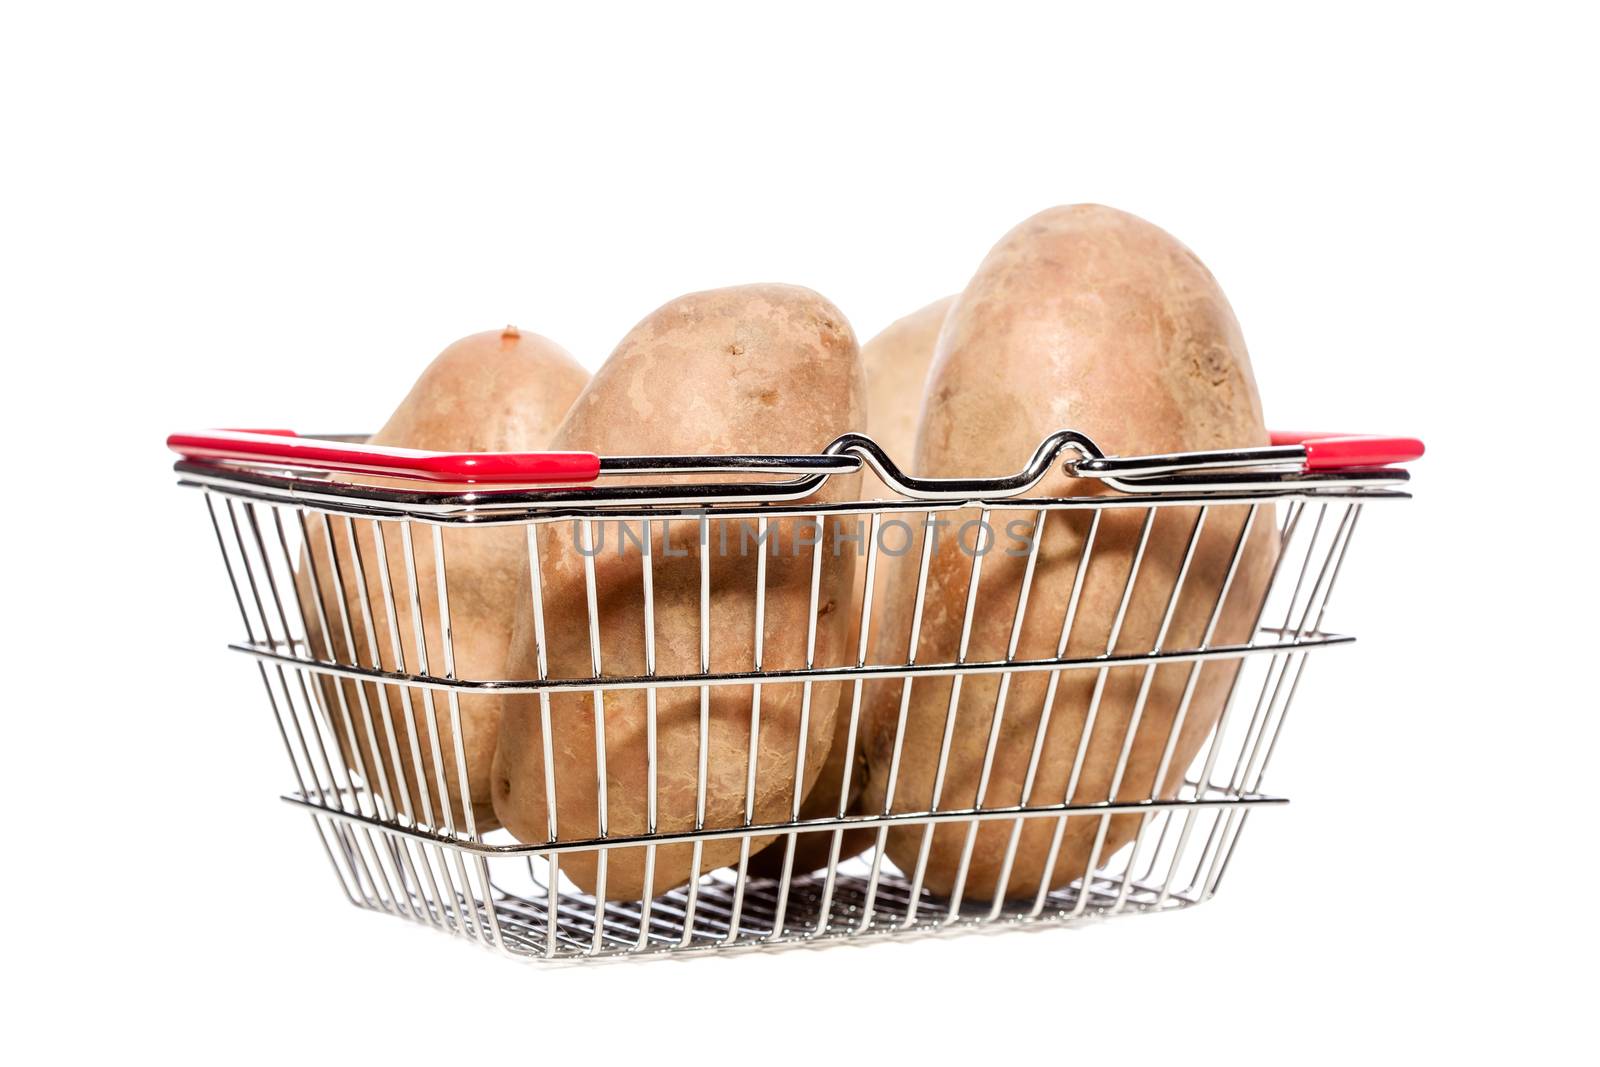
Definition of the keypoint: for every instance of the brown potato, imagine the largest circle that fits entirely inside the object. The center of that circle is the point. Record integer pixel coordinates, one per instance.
(500, 391)
(758, 368)
(1080, 318)
(896, 365)
(896, 362)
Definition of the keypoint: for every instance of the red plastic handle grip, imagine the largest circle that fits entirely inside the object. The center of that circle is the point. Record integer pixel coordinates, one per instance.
(528, 468)
(1330, 451)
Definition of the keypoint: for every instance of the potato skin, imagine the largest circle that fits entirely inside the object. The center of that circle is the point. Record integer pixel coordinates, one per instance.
(503, 390)
(896, 363)
(1091, 319)
(757, 368)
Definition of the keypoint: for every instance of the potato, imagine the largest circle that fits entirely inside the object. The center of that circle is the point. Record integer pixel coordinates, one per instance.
(896, 365)
(500, 391)
(896, 362)
(1080, 318)
(757, 368)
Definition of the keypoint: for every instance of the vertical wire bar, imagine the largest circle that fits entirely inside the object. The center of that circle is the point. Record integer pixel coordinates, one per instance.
(1131, 731)
(261, 669)
(354, 856)
(1316, 626)
(1271, 676)
(1204, 784)
(1295, 660)
(361, 834)
(460, 902)
(361, 695)
(1329, 575)
(542, 666)
(355, 879)
(868, 908)
(343, 852)
(398, 653)
(1089, 722)
(400, 853)
(430, 896)
(300, 610)
(384, 847)
(372, 850)
(863, 629)
(805, 726)
(350, 848)
(742, 875)
(294, 720)
(419, 636)
(1069, 616)
(338, 873)
(424, 795)
(453, 698)
(1184, 701)
(652, 763)
(696, 853)
(975, 575)
(488, 925)
(411, 852)
(326, 718)
(283, 619)
(542, 669)
(1191, 682)
(1279, 661)
(996, 719)
(277, 600)
(349, 843)
(552, 905)
(602, 859)
(254, 523)
(498, 937)
(1271, 687)
(1165, 819)
(346, 771)
(359, 573)
(420, 642)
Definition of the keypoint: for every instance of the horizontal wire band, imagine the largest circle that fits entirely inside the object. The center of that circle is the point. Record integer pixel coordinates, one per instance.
(772, 677)
(485, 510)
(669, 837)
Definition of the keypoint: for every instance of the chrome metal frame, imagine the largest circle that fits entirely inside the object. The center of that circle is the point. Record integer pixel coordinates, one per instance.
(390, 856)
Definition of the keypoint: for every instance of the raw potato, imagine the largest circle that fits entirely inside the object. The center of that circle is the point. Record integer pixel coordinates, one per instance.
(896, 365)
(500, 391)
(896, 362)
(1081, 318)
(758, 368)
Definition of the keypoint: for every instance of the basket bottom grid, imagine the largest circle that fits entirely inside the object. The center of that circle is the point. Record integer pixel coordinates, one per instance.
(524, 923)
(504, 902)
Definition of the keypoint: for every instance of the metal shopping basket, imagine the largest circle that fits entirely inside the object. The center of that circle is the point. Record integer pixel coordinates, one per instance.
(326, 536)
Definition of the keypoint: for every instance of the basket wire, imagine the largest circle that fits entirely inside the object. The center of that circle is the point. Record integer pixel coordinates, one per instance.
(419, 861)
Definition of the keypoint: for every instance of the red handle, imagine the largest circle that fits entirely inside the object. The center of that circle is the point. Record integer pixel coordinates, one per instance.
(285, 446)
(1330, 451)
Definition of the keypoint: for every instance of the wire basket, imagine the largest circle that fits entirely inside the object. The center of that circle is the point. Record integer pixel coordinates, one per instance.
(841, 735)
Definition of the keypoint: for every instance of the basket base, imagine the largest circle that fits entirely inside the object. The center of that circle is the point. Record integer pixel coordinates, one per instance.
(453, 890)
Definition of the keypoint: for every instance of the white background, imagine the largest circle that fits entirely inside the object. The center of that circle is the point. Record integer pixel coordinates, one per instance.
(216, 217)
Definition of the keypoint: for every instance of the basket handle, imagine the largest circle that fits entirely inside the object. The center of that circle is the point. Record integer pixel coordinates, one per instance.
(290, 449)
(1319, 452)
(1340, 451)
